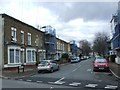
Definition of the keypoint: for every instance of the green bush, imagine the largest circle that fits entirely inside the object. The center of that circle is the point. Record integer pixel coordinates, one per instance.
(65, 56)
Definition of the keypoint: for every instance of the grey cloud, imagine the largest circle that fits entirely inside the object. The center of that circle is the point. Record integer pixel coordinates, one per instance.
(87, 10)
(91, 11)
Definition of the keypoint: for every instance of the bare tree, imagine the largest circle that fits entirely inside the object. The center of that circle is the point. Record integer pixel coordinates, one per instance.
(86, 47)
(100, 43)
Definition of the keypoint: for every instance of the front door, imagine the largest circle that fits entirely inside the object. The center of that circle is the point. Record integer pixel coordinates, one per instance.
(22, 57)
(40, 56)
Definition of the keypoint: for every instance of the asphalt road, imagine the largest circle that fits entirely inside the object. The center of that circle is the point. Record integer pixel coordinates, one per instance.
(78, 75)
(9, 84)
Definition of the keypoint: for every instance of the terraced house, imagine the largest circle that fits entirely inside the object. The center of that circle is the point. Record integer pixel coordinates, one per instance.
(115, 23)
(20, 43)
(61, 48)
(23, 44)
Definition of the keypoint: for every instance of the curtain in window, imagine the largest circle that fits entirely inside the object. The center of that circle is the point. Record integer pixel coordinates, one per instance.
(11, 55)
(29, 55)
(33, 55)
(17, 56)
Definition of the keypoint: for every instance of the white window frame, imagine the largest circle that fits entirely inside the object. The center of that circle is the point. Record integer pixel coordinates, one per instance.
(15, 48)
(13, 36)
(22, 38)
(30, 49)
(29, 41)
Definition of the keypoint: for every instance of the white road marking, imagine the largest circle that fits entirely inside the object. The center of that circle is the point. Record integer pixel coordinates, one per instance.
(75, 84)
(74, 70)
(28, 80)
(61, 82)
(91, 85)
(88, 70)
(111, 87)
(58, 81)
(39, 81)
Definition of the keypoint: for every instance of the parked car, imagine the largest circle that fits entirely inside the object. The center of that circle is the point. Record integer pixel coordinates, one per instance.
(78, 59)
(100, 64)
(48, 65)
(74, 60)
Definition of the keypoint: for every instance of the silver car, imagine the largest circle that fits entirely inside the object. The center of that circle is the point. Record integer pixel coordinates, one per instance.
(48, 65)
(74, 60)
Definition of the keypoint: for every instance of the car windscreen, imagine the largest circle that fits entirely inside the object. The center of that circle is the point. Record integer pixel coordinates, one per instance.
(44, 62)
(100, 60)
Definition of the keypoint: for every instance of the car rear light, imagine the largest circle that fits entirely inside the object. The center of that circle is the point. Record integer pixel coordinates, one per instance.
(106, 65)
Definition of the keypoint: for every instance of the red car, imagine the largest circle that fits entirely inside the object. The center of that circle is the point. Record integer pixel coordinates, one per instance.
(100, 64)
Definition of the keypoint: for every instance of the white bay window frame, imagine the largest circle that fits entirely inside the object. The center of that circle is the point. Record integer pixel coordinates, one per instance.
(14, 48)
(30, 55)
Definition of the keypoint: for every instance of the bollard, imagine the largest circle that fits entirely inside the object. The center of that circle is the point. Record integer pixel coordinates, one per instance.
(21, 67)
(18, 69)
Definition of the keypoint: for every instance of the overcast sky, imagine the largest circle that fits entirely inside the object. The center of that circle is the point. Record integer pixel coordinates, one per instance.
(72, 20)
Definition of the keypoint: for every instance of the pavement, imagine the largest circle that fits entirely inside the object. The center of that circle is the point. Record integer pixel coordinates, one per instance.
(13, 73)
(114, 68)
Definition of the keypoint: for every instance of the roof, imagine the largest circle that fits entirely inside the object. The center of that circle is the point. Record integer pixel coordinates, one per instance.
(62, 40)
(5, 15)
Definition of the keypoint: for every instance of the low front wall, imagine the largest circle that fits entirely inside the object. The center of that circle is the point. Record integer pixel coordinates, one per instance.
(117, 60)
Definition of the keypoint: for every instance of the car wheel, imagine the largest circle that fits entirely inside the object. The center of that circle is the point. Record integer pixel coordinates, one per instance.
(94, 70)
(51, 70)
(38, 71)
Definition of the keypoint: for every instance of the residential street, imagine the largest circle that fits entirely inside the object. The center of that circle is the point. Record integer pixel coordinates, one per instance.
(54, 44)
(78, 75)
